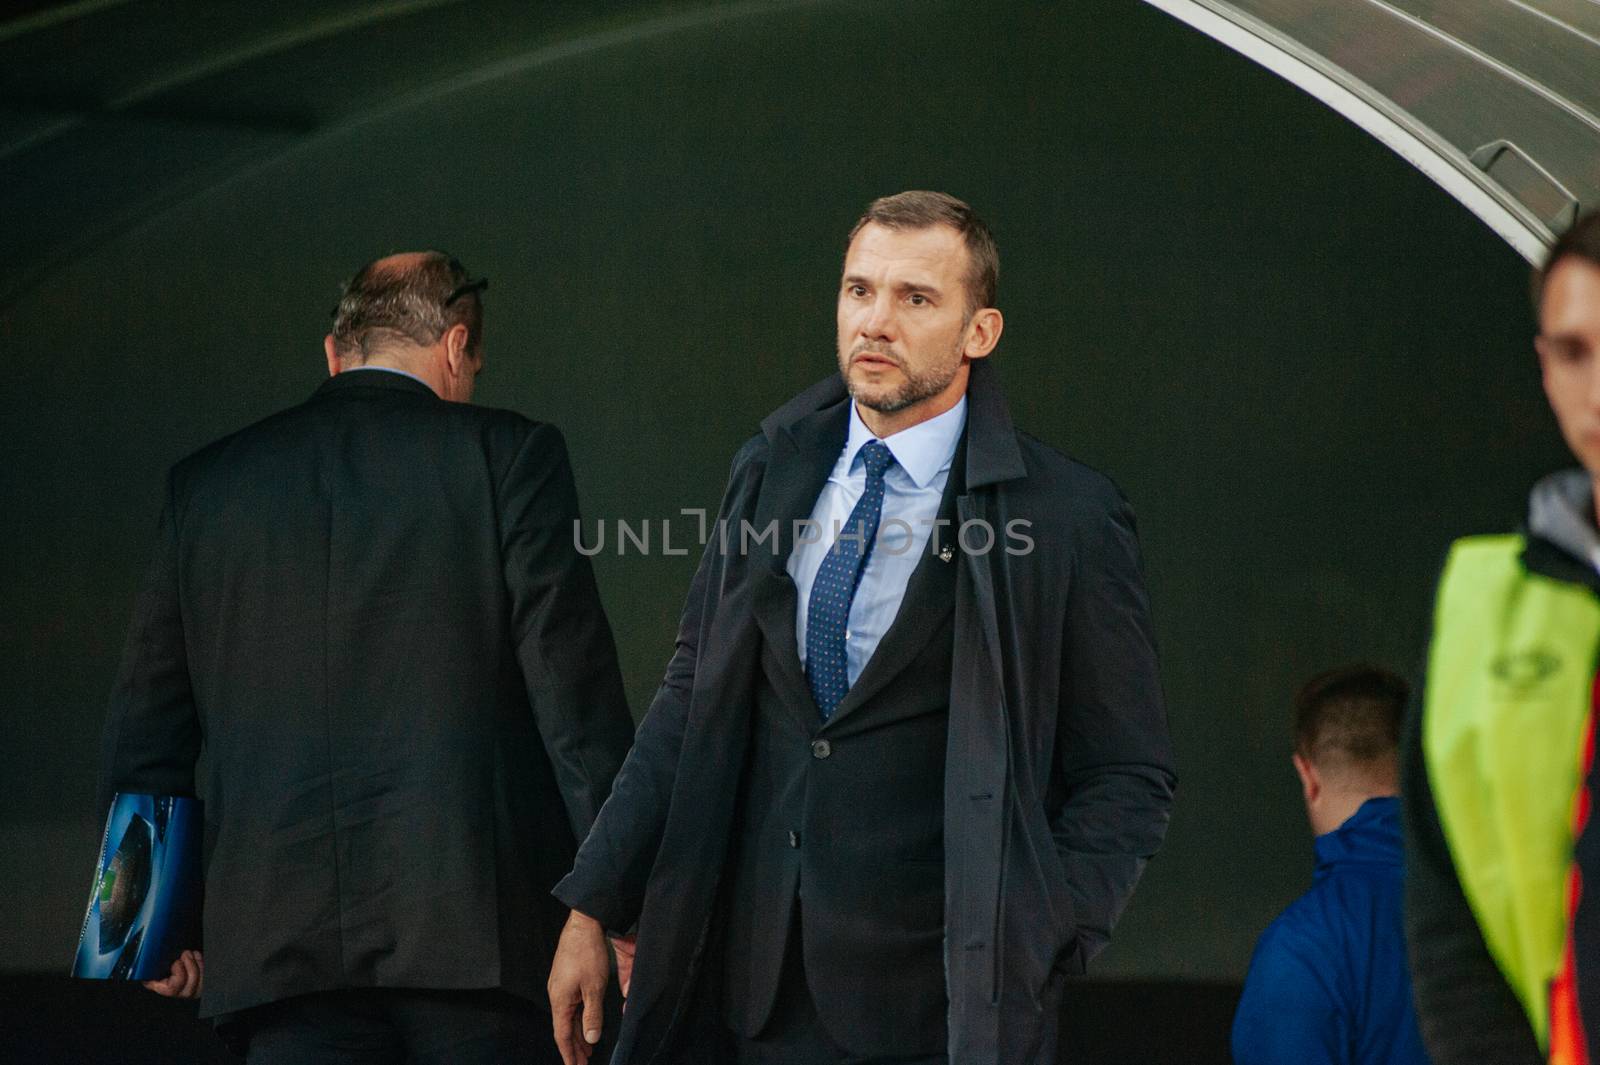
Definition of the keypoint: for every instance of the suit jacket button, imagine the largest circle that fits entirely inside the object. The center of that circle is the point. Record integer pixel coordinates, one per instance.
(821, 748)
(794, 838)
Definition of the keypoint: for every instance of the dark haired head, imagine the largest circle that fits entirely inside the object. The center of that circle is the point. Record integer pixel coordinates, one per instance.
(1350, 717)
(921, 210)
(1582, 241)
(408, 298)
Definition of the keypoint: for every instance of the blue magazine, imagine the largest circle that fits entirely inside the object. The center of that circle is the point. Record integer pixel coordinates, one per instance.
(144, 906)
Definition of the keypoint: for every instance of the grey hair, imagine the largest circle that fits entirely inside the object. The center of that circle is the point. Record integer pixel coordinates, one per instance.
(388, 302)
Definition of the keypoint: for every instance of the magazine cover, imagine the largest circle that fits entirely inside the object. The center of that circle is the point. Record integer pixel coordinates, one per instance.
(144, 904)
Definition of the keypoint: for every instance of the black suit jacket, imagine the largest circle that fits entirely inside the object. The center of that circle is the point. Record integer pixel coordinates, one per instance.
(368, 614)
(859, 836)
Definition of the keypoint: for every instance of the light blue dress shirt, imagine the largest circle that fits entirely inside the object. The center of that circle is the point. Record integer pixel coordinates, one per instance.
(913, 487)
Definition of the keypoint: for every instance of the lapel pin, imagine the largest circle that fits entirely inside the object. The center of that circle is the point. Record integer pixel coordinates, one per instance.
(946, 553)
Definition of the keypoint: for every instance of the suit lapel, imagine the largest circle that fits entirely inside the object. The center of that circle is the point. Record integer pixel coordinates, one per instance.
(803, 454)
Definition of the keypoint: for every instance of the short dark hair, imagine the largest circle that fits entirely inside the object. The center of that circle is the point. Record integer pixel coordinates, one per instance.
(918, 209)
(1351, 714)
(1581, 241)
(415, 300)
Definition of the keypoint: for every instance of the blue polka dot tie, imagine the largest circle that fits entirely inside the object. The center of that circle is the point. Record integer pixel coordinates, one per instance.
(828, 612)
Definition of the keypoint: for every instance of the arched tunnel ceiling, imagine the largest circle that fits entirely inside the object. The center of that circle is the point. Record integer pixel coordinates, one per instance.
(1496, 100)
(112, 109)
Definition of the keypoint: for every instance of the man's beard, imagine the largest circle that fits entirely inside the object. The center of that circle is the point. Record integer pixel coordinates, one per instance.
(918, 386)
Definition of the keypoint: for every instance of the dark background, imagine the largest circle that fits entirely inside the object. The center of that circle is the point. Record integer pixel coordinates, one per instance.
(1306, 365)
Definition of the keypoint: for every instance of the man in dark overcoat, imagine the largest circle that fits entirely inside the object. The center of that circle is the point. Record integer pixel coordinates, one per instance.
(910, 756)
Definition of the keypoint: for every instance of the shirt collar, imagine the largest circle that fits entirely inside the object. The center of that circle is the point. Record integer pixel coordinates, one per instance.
(388, 369)
(923, 451)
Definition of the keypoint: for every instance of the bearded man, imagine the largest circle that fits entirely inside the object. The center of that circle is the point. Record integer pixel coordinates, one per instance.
(910, 756)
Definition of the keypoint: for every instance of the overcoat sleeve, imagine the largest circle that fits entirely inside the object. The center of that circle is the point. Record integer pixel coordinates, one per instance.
(1113, 754)
(563, 641)
(613, 866)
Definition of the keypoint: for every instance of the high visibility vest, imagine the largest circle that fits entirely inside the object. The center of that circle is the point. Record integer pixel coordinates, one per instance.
(1510, 675)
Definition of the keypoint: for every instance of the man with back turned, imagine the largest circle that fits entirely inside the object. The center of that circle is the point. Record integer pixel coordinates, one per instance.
(1328, 984)
(368, 613)
(910, 756)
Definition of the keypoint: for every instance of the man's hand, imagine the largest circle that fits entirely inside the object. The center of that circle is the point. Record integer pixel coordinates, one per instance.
(577, 987)
(188, 973)
(624, 947)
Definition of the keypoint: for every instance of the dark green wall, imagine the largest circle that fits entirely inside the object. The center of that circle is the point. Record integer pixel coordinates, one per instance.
(1306, 366)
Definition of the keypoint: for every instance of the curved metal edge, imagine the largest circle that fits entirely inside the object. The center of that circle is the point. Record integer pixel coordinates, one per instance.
(1448, 168)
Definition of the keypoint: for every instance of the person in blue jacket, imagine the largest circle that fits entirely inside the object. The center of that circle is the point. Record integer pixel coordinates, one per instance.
(1328, 982)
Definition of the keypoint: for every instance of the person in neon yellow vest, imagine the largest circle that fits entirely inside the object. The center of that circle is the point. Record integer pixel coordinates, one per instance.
(1504, 940)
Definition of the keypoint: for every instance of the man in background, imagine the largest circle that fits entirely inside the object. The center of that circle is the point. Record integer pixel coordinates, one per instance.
(1502, 880)
(1328, 983)
(368, 613)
